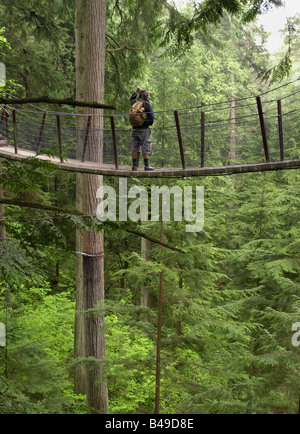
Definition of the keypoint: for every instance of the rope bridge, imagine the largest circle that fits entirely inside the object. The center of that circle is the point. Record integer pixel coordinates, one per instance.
(256, 133)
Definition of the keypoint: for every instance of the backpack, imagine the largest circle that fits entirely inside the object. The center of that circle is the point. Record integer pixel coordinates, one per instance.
(136, 115)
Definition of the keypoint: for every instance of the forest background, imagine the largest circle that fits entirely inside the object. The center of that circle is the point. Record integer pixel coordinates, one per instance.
(228, 303)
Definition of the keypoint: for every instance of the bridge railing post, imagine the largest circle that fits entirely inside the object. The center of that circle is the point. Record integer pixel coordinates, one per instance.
(202, 138)
(114, 139)
(59, 138)
(280, 129)
(180, 139)
(15, 131)
(41, 133)
(263, 128)
(4, 118)
(86, 137)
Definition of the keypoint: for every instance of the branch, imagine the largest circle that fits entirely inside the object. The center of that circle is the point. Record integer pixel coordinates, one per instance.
(174, 10)
(78, 213)
(46, 99)
(154, 240)
(21, 203)
(124, 47)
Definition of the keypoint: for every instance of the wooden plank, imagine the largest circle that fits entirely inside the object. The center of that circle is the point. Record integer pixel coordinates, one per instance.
(109, 169)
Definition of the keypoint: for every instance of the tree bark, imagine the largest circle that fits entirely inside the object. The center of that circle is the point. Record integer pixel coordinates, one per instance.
(89, 334)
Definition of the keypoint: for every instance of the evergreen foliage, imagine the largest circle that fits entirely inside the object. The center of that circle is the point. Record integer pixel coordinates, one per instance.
(229, 302)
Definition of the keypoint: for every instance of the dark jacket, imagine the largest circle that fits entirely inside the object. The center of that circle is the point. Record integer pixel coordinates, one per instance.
(148, 110)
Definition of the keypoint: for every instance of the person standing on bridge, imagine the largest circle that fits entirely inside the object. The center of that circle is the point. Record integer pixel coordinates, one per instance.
(141, 135)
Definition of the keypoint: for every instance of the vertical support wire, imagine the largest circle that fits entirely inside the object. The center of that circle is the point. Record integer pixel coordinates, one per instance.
(280, 130)
(263, 128)
(180, 139)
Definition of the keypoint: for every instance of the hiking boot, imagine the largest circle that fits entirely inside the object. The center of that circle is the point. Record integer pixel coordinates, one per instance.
(149, 168)
(134, 168)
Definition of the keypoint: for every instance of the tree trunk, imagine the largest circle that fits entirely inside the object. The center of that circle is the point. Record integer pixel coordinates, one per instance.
(159, 323)
(2, 228)
(145, 254)
(146, 246)
(89, 334)
(232, 154)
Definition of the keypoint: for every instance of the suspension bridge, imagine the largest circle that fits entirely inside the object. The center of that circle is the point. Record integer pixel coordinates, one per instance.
(252, 134)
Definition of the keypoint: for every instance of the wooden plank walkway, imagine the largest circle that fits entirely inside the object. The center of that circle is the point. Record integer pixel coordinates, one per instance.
(125, 171)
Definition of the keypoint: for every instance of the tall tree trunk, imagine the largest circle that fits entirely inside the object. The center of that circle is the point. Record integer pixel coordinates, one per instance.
(2, 227)
(232, 154)
(89, 334)
(7, 295)
(146, 246)
(145, 254)
(159, 323)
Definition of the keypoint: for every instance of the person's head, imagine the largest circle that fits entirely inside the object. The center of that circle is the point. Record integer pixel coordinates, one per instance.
(144, 95)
